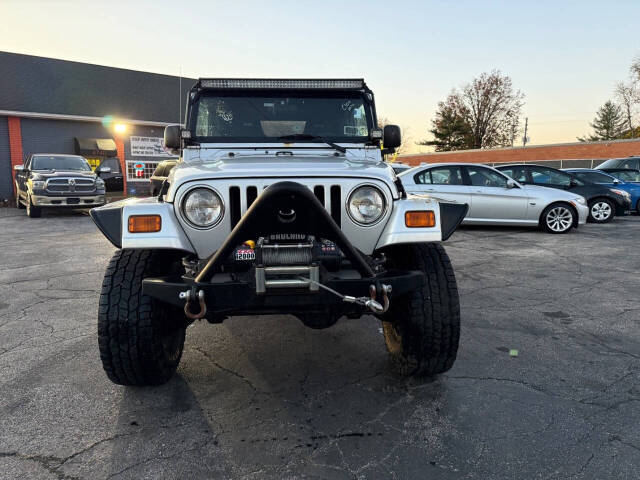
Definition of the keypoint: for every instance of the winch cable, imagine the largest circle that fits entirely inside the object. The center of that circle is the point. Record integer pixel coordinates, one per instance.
(367, 302)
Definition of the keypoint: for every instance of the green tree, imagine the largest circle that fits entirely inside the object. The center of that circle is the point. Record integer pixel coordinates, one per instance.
(450, 130)
(609, 124)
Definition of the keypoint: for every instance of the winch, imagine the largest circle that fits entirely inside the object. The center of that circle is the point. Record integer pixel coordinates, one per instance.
(286, 261)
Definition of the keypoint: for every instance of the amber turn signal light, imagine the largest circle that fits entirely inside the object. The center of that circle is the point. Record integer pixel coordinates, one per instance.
(145, 223)
(420, 219)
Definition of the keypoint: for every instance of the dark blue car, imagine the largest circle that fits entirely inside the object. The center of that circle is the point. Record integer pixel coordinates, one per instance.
(609, 180)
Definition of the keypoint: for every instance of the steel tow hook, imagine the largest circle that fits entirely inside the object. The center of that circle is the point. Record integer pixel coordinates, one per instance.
(373, 304)
(189, 296)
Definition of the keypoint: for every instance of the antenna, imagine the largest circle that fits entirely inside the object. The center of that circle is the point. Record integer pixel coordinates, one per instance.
(180, 97)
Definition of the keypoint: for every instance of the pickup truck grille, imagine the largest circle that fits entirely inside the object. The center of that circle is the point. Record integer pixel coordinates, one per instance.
(241, 198)
(70, 185)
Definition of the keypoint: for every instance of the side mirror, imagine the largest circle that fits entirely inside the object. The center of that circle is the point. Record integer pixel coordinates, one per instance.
(616, 181)
(391, 137)
(172, 137)
(18, 168)
(103, 170)
(573, 182)
(511, 183)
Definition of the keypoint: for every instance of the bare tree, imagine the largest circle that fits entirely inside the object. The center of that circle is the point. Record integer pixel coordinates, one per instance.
(635, 70)
(489, 108)
(628, 98)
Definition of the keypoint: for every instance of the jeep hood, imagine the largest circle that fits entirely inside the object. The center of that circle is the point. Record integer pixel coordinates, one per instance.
(281, 167)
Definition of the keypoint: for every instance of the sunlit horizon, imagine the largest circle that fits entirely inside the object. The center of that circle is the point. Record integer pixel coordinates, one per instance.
(566, 59)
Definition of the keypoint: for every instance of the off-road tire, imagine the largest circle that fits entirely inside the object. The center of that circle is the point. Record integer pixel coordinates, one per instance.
(422, 328)
(560, 207)
(140, 339)
(599, 201)
(32, 210)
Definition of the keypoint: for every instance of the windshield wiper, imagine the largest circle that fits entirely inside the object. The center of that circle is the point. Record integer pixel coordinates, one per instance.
(307, 136)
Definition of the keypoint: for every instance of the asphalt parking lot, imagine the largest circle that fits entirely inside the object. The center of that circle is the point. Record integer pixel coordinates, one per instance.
(265, 397)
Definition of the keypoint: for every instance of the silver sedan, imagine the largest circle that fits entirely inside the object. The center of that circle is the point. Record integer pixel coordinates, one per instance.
(495, 199)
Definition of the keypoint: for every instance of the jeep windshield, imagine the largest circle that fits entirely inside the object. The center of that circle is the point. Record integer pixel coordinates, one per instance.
(55, 162)
(342, 117)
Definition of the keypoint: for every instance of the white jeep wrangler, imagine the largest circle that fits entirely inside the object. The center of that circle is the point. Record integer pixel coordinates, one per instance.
(281, 204)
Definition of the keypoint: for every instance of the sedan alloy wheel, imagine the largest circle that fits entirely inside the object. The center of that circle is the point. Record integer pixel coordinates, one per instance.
(559, 219)
(601, 211)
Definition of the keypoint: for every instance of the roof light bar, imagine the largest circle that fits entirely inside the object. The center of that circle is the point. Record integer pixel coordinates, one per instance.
(280, 83)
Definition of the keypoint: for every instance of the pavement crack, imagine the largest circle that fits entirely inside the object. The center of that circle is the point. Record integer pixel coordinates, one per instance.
(229, 371)
(585, 465)
(531, 386)
(160, 457)
(48, 462)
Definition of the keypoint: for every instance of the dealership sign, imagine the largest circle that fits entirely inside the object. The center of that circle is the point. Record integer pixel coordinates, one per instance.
(148, 147)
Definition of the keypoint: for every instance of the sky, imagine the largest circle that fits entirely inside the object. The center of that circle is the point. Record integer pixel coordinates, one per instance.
(565, 56)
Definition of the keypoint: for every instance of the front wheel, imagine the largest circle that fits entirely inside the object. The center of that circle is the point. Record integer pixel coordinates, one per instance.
(601, 210)
(422, 328)
(558, 218)
(140, 339)
(32, 210)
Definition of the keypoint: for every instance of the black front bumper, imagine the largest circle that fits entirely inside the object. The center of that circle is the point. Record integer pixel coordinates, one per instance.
(623, 206)
(239, 298)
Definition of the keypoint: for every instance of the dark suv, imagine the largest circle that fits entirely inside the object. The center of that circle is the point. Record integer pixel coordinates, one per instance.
(54, 180)
(628, 162)
(604, 203)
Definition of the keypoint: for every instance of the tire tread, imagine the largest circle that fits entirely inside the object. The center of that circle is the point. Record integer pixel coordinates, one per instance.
(429, 317)
(130, 348)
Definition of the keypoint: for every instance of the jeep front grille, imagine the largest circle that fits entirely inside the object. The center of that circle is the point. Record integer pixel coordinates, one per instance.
(241, 198)
(70, 185)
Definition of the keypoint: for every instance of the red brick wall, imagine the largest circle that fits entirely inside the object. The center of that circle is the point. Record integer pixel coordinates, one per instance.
(596, 150)
(123, 164)
(15, 145)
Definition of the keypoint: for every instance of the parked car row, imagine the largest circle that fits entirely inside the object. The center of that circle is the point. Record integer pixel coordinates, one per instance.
(512, 194)
(528, 194)
(604, 203)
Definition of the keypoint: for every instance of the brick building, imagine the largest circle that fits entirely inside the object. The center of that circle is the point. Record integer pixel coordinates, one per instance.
(562, 155)
(106, 114)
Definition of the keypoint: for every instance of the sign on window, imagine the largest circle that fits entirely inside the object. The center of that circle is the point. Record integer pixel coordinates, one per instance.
(148, 147)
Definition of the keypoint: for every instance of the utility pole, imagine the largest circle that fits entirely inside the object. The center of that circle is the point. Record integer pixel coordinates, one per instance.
(524, 138)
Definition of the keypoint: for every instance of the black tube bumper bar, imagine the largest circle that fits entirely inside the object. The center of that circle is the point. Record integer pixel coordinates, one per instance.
(265, 216)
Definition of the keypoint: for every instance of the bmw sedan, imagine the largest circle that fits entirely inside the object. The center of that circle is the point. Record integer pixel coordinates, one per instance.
(495, 199)
(604, 202)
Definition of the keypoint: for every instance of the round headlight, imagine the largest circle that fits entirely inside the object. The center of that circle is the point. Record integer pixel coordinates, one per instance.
(366, 205)
(202, 207)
